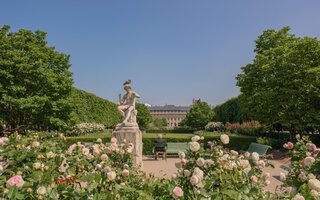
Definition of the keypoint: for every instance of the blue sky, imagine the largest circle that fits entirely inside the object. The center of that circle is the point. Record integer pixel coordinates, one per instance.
(172, 50)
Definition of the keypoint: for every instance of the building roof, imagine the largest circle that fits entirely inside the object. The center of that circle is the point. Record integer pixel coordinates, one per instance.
(170, 108)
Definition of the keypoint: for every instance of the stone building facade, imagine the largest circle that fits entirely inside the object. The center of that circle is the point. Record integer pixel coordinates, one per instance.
(173, 114)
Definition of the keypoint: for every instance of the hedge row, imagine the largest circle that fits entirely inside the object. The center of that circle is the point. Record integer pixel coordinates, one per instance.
(92, 109)
(236, 142)
(178, 130)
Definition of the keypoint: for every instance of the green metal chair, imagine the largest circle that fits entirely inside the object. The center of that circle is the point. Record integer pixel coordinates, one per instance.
(259, 148)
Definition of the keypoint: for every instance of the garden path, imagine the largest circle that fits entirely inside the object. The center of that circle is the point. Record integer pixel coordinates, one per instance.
(166, 168)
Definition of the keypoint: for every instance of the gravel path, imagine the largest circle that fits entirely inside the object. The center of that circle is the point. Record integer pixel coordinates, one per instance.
(166, 168)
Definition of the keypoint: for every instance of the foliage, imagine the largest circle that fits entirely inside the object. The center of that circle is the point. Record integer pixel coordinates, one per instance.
(282, 85)
(236, 143)
(159, 122)
(198, 116)
(214, 126)
(144, 117)
(85, 128)
(253, 128)
(303, 171)
(35, 81)
(42, 170)
(170, 130)
(92, 109)
(217, 173)
(230, 111)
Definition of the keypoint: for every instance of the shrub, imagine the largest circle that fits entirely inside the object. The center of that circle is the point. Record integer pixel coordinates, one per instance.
(303, 171)
(217, 173)
(214, 126)
(176, 130)
(85, 128)
(33, 168)
(253, 128)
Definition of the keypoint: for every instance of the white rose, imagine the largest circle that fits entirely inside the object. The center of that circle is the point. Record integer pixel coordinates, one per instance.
(182, 155)
(195, 138)
(282, 176)
(201, 162)
(198, 172)
(194, 180)
(194, 146)
(178, 164)
(41, 190)
(85, 151)
(224, 139)
(261, 164)
(266, 175)
(298, 197)
(314, 184)
(35, 144)
(209, 162)
(125, 173)
(50, 154)
(111, 175)
(36, 165)
(244, 163)
(255, 156)
(104, 157)
(247, 170)
(186, 172)
(314, 193)
(308, 161)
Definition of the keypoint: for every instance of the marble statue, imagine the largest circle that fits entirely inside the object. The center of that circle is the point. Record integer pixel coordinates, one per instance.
(129, 130)
(126, 106)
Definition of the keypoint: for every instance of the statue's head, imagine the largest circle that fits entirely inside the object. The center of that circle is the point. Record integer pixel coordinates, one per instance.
(127, 87)
(159, 136)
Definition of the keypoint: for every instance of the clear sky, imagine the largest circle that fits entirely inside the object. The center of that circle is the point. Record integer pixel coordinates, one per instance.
(172, 50)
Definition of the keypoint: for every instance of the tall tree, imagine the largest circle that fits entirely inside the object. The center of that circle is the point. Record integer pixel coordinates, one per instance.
(198, 116)
(282, 85)
(35, 81)
(144, 117)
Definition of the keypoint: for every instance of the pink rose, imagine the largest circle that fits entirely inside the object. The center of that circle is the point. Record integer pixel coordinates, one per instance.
(288, 189)
(15, 181)
(122, 151)
(108, 150)
(235, 153)
(177, 192)
(316, 151)
(113, 140)
(285, 145)
(290, 145)
(96, 152)
(183, 161)
(312, 147)
(254, 179)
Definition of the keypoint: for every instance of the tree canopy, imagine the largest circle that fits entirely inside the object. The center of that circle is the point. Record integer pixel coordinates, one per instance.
(144, 117)
(282, 85)
(198, 116)
(35, 81)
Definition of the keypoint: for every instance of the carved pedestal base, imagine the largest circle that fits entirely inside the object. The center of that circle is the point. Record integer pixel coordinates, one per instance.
(131, 134)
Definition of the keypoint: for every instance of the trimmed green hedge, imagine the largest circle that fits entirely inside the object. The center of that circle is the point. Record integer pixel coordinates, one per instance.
(90, 108)
(178, 130)
(236, 142)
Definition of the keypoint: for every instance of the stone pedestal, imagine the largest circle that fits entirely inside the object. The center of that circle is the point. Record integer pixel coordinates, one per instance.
(132, 134)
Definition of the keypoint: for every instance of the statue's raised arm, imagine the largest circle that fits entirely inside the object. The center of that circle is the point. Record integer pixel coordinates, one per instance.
(126, 106)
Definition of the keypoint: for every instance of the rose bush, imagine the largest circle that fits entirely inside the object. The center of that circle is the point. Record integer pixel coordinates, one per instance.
(302, 179)
(39, 166)
(217, 173)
